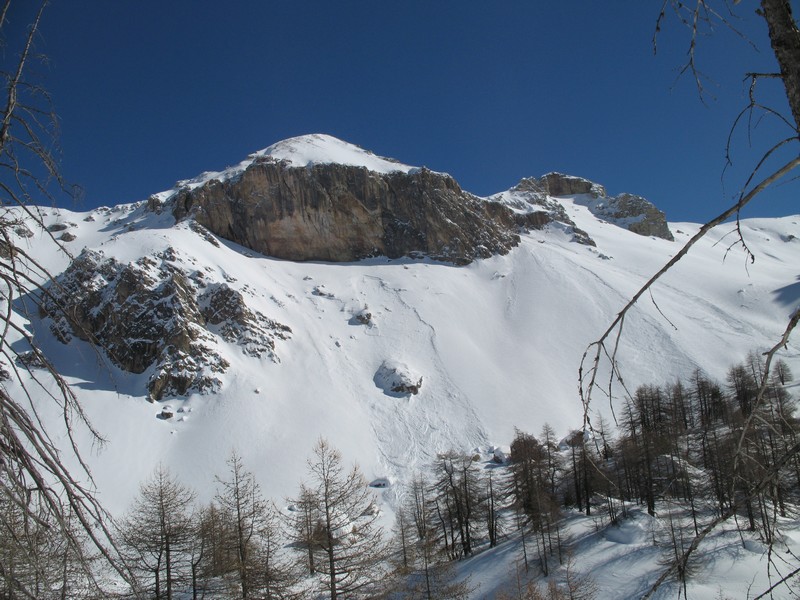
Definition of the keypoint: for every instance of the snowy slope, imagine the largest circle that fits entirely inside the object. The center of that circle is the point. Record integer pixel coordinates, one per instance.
(624, 561)
(497, 344)
(314, 149)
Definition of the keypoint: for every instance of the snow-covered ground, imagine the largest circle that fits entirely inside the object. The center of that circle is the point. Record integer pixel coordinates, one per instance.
(625, 560)
(497, 345)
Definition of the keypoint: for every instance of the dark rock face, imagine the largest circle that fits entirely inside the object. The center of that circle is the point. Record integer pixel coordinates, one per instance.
(153, 313)
(343, 213)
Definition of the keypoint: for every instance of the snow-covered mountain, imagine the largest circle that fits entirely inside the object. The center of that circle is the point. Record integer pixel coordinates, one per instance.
(394, 353)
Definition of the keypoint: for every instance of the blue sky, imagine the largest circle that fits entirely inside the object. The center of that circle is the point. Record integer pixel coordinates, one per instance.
(150, 92)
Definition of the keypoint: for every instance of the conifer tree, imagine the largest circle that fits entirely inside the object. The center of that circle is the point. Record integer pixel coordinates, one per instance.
(36, 558)
(530, 468)
(457, 486)
(304, 530)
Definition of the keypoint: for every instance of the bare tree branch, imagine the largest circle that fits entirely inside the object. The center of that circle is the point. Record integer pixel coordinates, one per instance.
(34, 478)
(785, 40)
(587, 386)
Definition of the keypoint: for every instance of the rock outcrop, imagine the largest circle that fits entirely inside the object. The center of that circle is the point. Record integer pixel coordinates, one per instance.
(153, 313)
(558, 184)
(530, 200)
(626, 210)
(340, 213)
(635, 213)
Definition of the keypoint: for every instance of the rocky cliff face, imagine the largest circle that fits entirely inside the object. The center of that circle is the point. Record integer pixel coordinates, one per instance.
(297, 200)
(335, 212)
(635, 213)
(154, 314)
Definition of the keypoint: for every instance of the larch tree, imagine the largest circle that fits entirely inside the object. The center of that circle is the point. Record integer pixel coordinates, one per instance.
(429, 572)
(303, 522)
(211, 554)
(403, 554)
(349, 543)
(531, 490)
(457, 486)
(158, 533)
(243, 507)
(36, 559)
(252, 535)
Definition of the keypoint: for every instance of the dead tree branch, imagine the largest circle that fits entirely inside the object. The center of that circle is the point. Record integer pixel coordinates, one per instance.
(35, 481)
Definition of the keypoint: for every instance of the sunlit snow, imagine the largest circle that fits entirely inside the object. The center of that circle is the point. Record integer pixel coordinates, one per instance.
(497, 343)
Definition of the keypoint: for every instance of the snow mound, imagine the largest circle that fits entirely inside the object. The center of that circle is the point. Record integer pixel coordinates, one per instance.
(397, 379)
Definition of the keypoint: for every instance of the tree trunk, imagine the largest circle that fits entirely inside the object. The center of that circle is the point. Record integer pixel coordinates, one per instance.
(168, 564)
(331, 553)
(587, 492)
(578, 501)
(785, 39)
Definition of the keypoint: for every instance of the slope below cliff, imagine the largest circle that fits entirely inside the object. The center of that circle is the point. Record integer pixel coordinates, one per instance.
(208, 346)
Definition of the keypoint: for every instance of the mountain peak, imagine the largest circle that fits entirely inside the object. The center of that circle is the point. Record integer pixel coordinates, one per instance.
(320, 148)
(301, 152)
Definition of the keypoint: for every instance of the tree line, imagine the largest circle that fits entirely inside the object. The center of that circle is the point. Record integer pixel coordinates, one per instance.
(694, 449)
